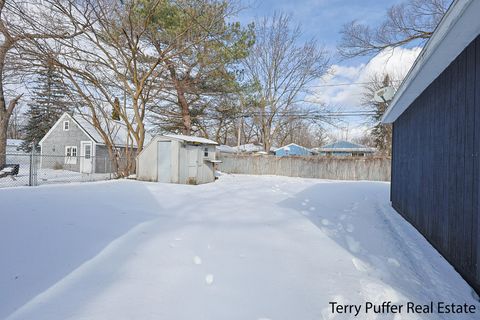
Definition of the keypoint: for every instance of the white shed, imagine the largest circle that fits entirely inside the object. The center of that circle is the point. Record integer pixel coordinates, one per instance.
(177, 159)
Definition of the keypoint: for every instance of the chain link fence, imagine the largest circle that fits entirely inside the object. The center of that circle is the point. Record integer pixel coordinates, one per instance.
(33, 169)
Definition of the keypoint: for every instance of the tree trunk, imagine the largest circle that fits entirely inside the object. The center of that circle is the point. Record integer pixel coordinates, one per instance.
(182, 101)
(3, 138)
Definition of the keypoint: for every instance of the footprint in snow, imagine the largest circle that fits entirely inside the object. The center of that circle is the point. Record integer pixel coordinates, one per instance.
(359, 265)
(178, 239)
(353, 245)
(307, 200)
(197, 260)
(350, 228)
(305, 213)
(304, 203)
(393, 262)
(325, 222)
(209, 279)
(312, 208)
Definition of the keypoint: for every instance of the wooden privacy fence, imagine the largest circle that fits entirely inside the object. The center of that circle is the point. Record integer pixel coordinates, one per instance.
(335, 168)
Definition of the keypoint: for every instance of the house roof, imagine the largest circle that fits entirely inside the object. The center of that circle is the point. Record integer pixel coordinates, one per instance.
(459, 27)
(249, 147)
(117, 130)
(345, 146)
(190, 139)
(287, 147)
(225, 149)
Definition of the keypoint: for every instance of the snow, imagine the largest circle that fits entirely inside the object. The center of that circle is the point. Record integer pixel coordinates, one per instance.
(14, 142)
(244, 247)
(249, 147)
(190, 138)
(225, 149)
(117, 131)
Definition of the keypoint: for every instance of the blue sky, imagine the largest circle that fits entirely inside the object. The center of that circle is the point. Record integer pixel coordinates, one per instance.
(323, 20)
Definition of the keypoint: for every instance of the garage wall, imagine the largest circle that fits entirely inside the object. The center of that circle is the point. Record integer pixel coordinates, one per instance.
(436, 164)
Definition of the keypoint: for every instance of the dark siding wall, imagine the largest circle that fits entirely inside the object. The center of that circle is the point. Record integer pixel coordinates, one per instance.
(436, 164)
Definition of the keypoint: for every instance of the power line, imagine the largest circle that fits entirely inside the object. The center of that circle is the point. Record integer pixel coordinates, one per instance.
(347, 84)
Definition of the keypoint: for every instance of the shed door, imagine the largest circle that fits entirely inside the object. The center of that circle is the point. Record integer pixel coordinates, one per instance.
(164, 162)
(192, 163)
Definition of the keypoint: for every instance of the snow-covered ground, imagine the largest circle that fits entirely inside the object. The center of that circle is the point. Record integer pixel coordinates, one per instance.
(243, 247)
(45, 175)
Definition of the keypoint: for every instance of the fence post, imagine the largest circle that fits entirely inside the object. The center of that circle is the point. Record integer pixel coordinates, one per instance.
(30, 172)
(32, 177)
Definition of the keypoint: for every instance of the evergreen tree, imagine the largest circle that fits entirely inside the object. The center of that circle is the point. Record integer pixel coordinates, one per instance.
(381, 133)
(50, 100)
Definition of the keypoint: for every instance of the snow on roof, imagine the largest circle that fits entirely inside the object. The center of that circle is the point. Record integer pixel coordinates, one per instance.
(249, 147)
(225, 149)
(190, 139)
(117, 130)
(345, 146)
(459, 26)
(14, 142)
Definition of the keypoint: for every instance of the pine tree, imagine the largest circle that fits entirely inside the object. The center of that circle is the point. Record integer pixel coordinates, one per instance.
(50, 100)
(381, 133)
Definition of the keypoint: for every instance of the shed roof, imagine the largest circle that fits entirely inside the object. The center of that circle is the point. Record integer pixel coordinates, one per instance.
(345, 146)
(456, 30)
(191, 139)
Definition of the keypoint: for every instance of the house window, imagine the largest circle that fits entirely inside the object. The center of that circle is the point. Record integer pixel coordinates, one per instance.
(205, 152)
(70, 155)
(66, 125)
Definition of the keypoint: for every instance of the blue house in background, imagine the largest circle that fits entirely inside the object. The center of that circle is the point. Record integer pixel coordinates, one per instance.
(345, 149)
(292, 149)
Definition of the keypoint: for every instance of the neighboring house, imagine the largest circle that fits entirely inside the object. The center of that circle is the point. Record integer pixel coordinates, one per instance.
(177, 159)
(248, 148)
(292, 149)
(343, 148)
(14, 146)
(225, 149)
(436, 141)
(74, 144)
(252, 148)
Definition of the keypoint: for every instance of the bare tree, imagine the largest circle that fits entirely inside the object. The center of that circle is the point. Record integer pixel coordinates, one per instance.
(21, 23)
(413, 20)
(16, 124)
(115, 65)
(281, 67)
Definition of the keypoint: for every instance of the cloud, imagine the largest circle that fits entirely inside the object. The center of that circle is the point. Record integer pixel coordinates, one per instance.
(340, 90)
